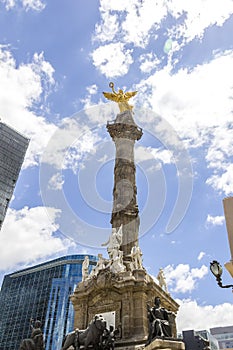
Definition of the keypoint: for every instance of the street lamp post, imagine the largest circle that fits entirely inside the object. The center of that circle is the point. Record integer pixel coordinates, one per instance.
(216, 270)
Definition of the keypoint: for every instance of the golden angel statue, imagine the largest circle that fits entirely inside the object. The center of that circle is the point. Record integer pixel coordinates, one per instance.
(120, 97)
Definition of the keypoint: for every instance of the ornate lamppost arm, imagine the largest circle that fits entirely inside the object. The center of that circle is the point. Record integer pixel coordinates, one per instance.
(216, 270)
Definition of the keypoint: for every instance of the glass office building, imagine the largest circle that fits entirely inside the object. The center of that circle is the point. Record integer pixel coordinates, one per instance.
(213, 342)
(13, 147)
(199, 340)
(224, 335)
(40, 292)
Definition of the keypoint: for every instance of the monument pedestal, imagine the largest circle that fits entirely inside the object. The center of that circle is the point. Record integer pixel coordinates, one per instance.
(126, 294)
(157, 344)
(167, 344)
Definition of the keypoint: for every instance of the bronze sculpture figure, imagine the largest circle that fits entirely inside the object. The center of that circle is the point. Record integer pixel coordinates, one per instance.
(159, 325)
(36, 342)
(120, 97)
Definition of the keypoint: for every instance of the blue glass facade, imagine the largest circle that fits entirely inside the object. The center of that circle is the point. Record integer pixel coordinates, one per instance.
(40, 292)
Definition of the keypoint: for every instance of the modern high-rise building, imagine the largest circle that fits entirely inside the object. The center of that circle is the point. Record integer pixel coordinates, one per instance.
(13, 147)
(40, 292)
(199, 340)
(224, 335)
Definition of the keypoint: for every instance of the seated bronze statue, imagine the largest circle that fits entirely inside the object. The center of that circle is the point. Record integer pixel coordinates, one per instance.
(159, 325)
(36, 342)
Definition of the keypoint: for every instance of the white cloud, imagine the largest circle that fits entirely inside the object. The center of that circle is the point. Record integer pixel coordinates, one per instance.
(107, 29)
(143, 154)
(201, 255)
(148, 62)
(113, 60)
(36, 5)
(92, 90)
(198, 16)
(28, 235)
(191, 106)
(182, 278)
(81, 147)
(198, 105)
(164, 156)
(69, 145)
(21, 89)
(215, 220)
(223, 180)
(107, 6)
(136, 21)
(197, 102)
(198, 317)
(56, 182)
(141, 19)
(8, 3)
(42, 68)
(219, 156)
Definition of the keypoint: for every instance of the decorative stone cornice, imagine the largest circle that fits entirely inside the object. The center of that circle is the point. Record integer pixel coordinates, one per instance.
(122, 130)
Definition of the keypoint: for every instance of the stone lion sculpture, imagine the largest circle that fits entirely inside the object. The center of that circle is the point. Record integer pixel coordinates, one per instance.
(83, 338)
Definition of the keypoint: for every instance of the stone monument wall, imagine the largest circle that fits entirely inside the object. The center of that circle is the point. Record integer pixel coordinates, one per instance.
(126, 294)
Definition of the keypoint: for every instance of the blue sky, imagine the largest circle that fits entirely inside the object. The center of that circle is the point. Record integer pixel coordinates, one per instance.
(56, 58)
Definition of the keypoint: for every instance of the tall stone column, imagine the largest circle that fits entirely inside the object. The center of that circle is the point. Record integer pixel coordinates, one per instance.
(124, 133)
(128, 292)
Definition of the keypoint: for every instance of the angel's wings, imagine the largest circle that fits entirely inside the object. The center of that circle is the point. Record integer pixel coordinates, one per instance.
(120, 96)
(130, 94)
(110, 96)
